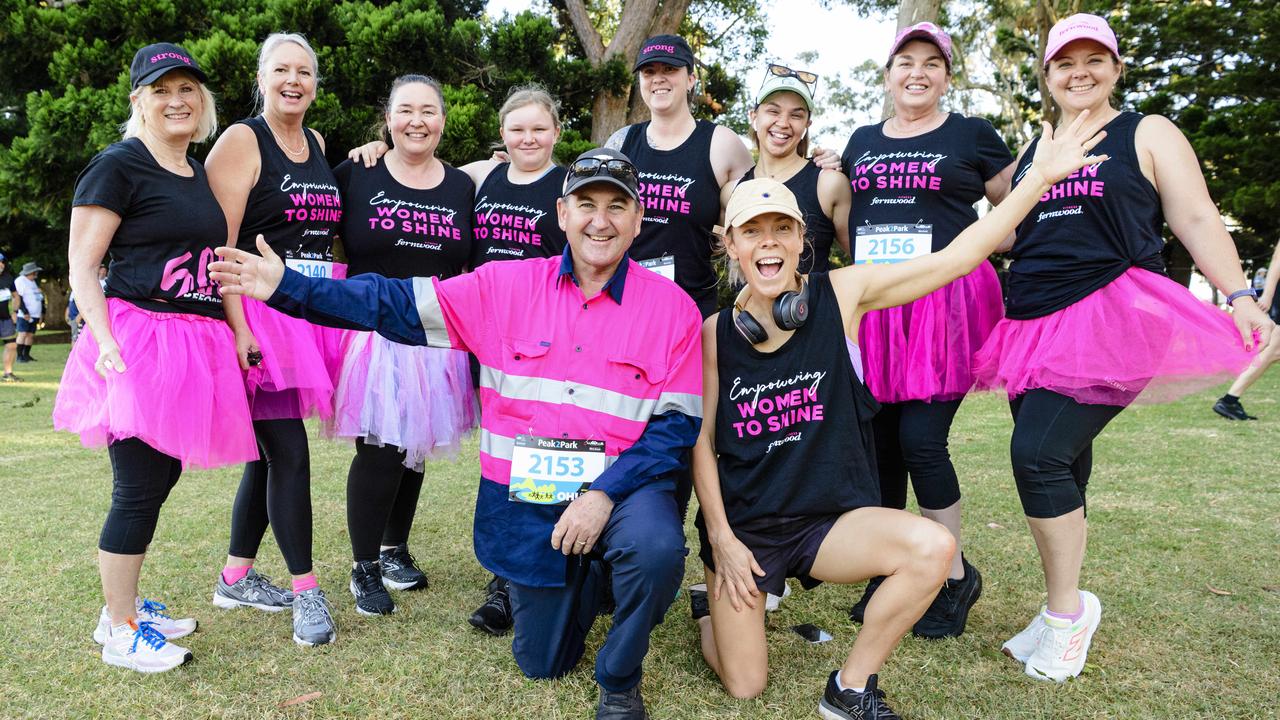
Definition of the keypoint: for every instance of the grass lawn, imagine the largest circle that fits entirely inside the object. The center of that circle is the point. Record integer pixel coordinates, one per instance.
(1184, 554)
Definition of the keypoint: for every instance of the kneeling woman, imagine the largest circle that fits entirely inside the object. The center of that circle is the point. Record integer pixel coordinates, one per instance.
(783, 491)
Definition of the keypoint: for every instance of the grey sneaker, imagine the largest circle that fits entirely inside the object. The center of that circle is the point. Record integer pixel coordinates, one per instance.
(312, 622)
(252, 590)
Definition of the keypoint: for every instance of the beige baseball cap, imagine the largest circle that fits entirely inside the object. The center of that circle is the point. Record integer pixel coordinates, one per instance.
(757, 197)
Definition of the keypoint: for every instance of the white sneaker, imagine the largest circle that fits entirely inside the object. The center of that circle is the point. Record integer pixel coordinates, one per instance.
(140, 646)
(152, 612)
(1062, 645)
(772, 602)
(1020, 646)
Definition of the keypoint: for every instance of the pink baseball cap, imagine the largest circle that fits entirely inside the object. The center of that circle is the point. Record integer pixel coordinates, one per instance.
(924, 31)
(1081, 26)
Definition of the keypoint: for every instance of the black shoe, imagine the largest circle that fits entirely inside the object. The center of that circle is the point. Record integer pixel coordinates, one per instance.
(947, 616)
(840, 704)
(494, 616)
(699, 607)
(625, 705)
(10, 378)
(366, 585)
(1231, 410)
(860, 608)
(399, 571)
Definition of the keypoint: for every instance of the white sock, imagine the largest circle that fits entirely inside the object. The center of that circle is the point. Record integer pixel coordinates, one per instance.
(840, 685)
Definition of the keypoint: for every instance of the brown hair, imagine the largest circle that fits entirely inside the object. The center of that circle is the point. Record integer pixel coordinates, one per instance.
(802, 147)
(381, 131)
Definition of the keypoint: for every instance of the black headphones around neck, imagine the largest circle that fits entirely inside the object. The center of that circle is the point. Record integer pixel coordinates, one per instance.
(790, 311)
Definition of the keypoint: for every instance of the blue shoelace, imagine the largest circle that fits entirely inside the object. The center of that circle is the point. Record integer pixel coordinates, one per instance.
(147, 633)
(151, 607)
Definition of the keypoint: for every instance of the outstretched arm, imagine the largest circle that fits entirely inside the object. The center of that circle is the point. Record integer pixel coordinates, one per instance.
(365, 302)
(869, 287)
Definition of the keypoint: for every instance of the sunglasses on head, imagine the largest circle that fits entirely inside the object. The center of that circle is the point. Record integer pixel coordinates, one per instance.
(616, 168)
(804, 76)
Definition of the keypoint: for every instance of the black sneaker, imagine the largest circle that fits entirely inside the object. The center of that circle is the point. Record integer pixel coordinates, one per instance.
(860, 608)
(947, 616)
(9, 378)
(837, 704)
(1231, 410)
(494, 616)
(399, 571)
(699, 607)
(366, 585)
(625, 705)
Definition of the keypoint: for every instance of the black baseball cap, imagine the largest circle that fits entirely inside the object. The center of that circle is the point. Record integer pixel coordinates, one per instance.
(603, 165)
(669, 49)
(152, 61)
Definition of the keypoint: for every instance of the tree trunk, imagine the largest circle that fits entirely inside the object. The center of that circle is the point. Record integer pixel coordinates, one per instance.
(640, 19)
(911, 12)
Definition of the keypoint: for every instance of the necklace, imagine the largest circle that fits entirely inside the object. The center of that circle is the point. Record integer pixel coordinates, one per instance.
(283, 144)
(785, 170)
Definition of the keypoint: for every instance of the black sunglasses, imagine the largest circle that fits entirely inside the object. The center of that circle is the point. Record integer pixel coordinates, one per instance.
(616, 168)
(804, 76)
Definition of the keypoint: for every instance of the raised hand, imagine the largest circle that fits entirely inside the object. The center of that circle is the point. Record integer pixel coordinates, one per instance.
(242, 273)
(1060, 153)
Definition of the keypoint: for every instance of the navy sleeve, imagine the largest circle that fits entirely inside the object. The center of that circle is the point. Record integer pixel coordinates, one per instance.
(660, 450)
(364, 302)
(993, 154)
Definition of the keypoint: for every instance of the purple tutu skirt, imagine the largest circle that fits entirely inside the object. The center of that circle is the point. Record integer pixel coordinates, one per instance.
(416, 398)
(1143, 338)
(923, 350)
(180, 392)
(299, 363)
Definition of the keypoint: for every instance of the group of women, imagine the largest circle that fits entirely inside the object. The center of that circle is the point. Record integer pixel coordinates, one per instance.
(797, 367)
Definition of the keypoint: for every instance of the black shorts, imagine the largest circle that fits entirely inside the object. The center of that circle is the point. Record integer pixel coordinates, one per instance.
(783, 547)
(8, 332)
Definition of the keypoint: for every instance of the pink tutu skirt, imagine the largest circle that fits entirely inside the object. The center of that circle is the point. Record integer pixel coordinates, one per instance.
(923, 350)
(299, 363)
(180, 392)
(416, 398)
(1142, 337)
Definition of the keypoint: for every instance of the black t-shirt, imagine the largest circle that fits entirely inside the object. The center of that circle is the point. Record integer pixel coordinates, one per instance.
(931, 179)
(819, 230)
(402, 232)
(793, 426)
(1087, 230)
(681, 198)
(169, 226)
(295, 206)
(515, 222)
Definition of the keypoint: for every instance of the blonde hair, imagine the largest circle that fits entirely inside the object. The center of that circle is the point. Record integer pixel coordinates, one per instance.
(530, 94)
(273, 41)
(206, 126)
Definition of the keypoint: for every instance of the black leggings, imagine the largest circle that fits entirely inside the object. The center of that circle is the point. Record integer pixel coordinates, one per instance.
(911, 439)
(276, 491)
(382, 499)
(1052, 450)
(141, 480)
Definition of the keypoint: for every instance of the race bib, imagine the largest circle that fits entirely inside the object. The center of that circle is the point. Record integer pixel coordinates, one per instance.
(311, 268)
(879, 244)
(664, 266)
(554, 471)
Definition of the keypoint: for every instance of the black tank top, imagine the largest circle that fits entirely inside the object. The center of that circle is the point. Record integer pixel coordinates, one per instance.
(1087, 230)
(402, 232)
(515, 222)
(296, 207)
(681, 198)
(933, 178)
(793, 426)
(819, 230)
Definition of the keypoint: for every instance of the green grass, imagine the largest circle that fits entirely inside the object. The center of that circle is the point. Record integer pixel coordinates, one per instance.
(1181, 500)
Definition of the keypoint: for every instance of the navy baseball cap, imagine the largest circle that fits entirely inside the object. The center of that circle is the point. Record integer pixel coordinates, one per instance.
(153, 61)
(669, 49)
(603, 165)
